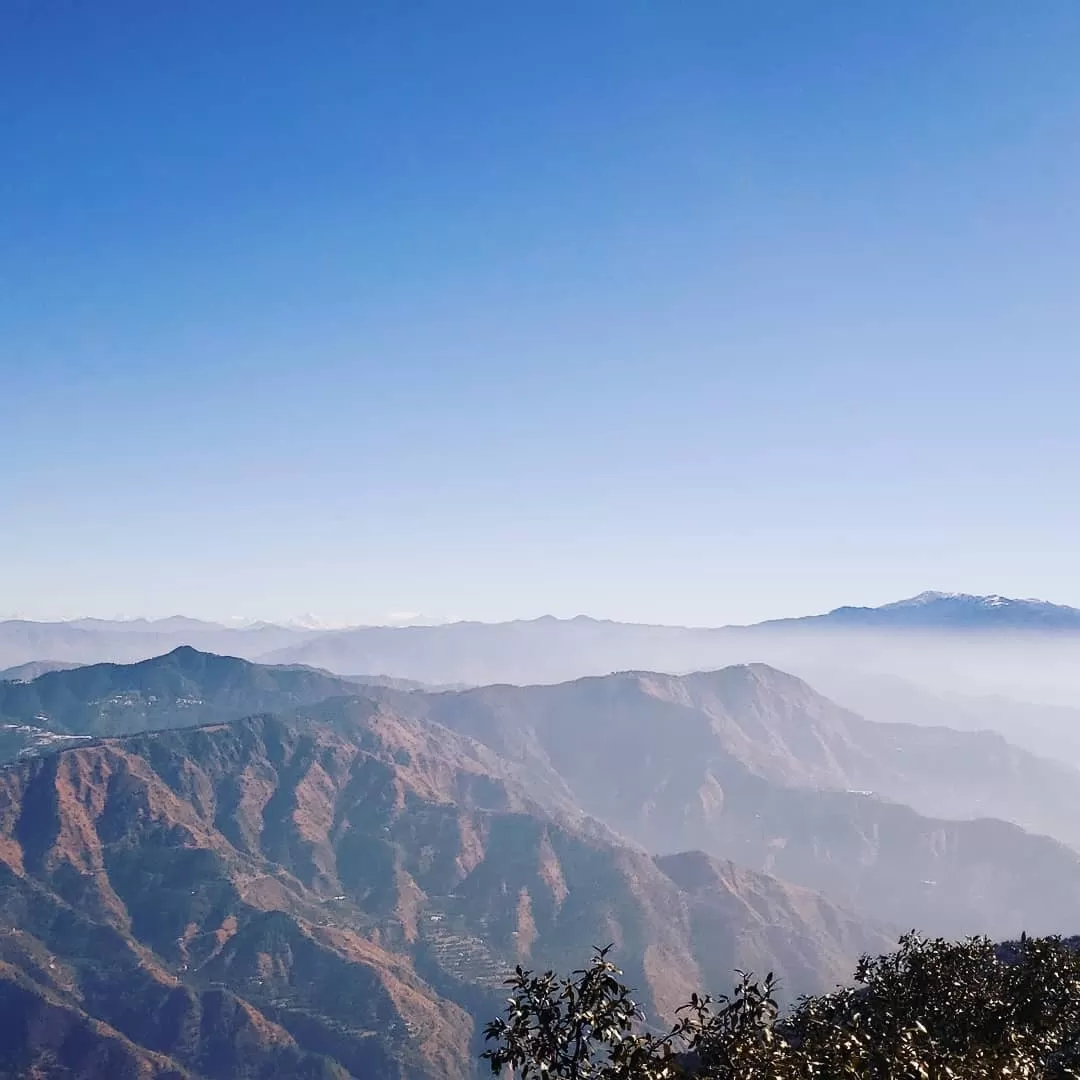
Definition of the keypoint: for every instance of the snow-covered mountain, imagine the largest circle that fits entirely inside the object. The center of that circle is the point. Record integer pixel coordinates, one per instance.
(950, 611)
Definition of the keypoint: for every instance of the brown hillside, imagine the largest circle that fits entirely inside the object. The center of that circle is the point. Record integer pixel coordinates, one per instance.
(306, 898)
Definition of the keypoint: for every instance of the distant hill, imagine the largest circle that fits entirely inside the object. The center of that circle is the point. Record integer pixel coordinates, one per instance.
(27, 672)
(181, 688)
(1025, 649)
(323, 898)
(399, 684)
(94, 641)
(181, 624)
(1052, 731)
(523, 651)
(961, 644)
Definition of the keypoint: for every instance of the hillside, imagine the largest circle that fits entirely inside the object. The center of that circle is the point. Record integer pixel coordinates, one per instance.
(751, 764)
(755, 719)
(1052, 731)
(275, 897)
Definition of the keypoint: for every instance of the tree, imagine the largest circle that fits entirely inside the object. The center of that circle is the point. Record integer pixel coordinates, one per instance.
(931, 1010)
(578, 1027)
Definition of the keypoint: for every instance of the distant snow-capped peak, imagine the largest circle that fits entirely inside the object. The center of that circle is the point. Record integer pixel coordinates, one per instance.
(994, 600)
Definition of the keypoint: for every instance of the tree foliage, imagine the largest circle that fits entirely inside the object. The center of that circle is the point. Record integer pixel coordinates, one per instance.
(931, 1010)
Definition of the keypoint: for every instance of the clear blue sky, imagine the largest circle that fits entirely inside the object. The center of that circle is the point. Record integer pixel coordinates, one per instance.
(687, 312)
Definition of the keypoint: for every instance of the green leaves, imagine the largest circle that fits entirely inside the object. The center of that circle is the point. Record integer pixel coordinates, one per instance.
(931, 1010)
(574, 1028)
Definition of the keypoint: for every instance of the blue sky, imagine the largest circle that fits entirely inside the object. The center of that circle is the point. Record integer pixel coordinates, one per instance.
(694, 312)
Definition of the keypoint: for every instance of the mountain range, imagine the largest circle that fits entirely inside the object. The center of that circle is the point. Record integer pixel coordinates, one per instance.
(751, 764)
(948, 611)
(810, 741)
(1025, 650)
(216, 868)
(338, 896)
(747, 763)
(85, 637)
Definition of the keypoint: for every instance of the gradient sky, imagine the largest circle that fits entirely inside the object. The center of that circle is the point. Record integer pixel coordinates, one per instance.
(687, 312)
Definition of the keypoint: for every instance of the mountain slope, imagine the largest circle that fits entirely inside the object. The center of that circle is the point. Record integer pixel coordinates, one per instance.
(751, 764)
(1052, 731)
(756, 719)
(43, 1038)
(276, 897)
